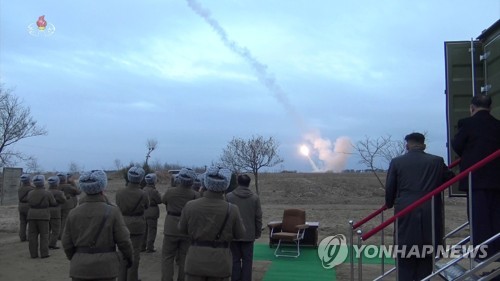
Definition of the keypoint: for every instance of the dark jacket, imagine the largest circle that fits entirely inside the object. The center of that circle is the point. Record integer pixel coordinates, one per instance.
(202, 219)
(250, 211)
(82, 225)
(133, 201)
(175, 198)
(40, 200)
(153, 212)
(477, 137)
(55, 211)
(410, 177)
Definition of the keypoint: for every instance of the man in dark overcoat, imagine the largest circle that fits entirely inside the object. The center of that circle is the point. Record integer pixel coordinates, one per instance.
(410, 177)
(251, 214)
(477, 137)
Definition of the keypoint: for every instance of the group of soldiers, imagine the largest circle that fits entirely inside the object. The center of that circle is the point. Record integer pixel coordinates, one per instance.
(200, 224)
(43, 213)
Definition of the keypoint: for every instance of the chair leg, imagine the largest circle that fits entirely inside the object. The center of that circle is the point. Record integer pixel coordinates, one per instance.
(298, 247)
(277, 249)
(279, 252)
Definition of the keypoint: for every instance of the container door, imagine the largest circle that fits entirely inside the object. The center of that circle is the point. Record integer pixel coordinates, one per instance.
(491, 59)
(464, 78)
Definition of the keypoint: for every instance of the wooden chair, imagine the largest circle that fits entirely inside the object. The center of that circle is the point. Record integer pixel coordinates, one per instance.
(290, 229)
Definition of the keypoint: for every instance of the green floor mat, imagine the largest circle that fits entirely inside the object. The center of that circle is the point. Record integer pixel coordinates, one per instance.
(305, 267)
(371, 259)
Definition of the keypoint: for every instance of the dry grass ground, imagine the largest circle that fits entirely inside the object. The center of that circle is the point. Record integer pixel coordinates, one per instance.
(331, 199)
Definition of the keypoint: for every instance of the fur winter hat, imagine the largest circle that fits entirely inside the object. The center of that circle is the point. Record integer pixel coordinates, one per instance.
(135, 174)
(62, 177)
(217, 179)
(53, 181)
(25, 178)
(39, 180)
(150, 178)
(93, 182)
(186, 177)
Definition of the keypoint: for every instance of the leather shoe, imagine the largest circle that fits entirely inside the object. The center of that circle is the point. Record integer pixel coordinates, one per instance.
(44, 257)
(54, 247)
(151, 251)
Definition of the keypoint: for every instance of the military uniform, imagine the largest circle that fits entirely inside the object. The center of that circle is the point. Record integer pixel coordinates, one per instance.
(98, 260)
(71, 193)
(133, 201)
(55, 215)
(23, 208)
(151, 215)
(39, 201)
(175, 243)
(201, 220)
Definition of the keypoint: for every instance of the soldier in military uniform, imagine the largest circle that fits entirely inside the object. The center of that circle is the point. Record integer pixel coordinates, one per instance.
(23, 206)
(133, 201)
(93, 231)
(211, 223)
(176, 244)
(55, 212)
(70, 192)
(151, 214)
(39, 200)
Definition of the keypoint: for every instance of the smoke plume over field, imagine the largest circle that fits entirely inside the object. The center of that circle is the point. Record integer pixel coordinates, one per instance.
(333, 156)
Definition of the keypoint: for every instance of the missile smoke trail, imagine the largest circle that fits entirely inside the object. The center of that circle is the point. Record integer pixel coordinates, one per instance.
(260, 69)
(315, 168)
(332, 159)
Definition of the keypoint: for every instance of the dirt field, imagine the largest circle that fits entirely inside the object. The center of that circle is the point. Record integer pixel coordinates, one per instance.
(330, 199)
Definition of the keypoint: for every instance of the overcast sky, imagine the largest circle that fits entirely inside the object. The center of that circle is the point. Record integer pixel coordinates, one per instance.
(105, 76)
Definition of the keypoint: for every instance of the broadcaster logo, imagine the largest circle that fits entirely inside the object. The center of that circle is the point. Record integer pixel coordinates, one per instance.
(333, 251)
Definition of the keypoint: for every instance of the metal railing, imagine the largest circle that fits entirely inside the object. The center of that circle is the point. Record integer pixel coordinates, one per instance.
(380, 228)
(354, 226)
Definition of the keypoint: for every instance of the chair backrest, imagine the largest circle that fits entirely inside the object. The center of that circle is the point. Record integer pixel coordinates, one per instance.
(292, 218)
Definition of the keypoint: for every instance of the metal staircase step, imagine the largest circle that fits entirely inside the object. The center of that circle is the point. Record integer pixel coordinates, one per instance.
(454, 272)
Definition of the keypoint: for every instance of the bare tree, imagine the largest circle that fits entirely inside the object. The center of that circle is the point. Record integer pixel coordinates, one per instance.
(394, 148)
(32, 166)
(372, 151)
(251, 155)
(16, 124)
(151, 145)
